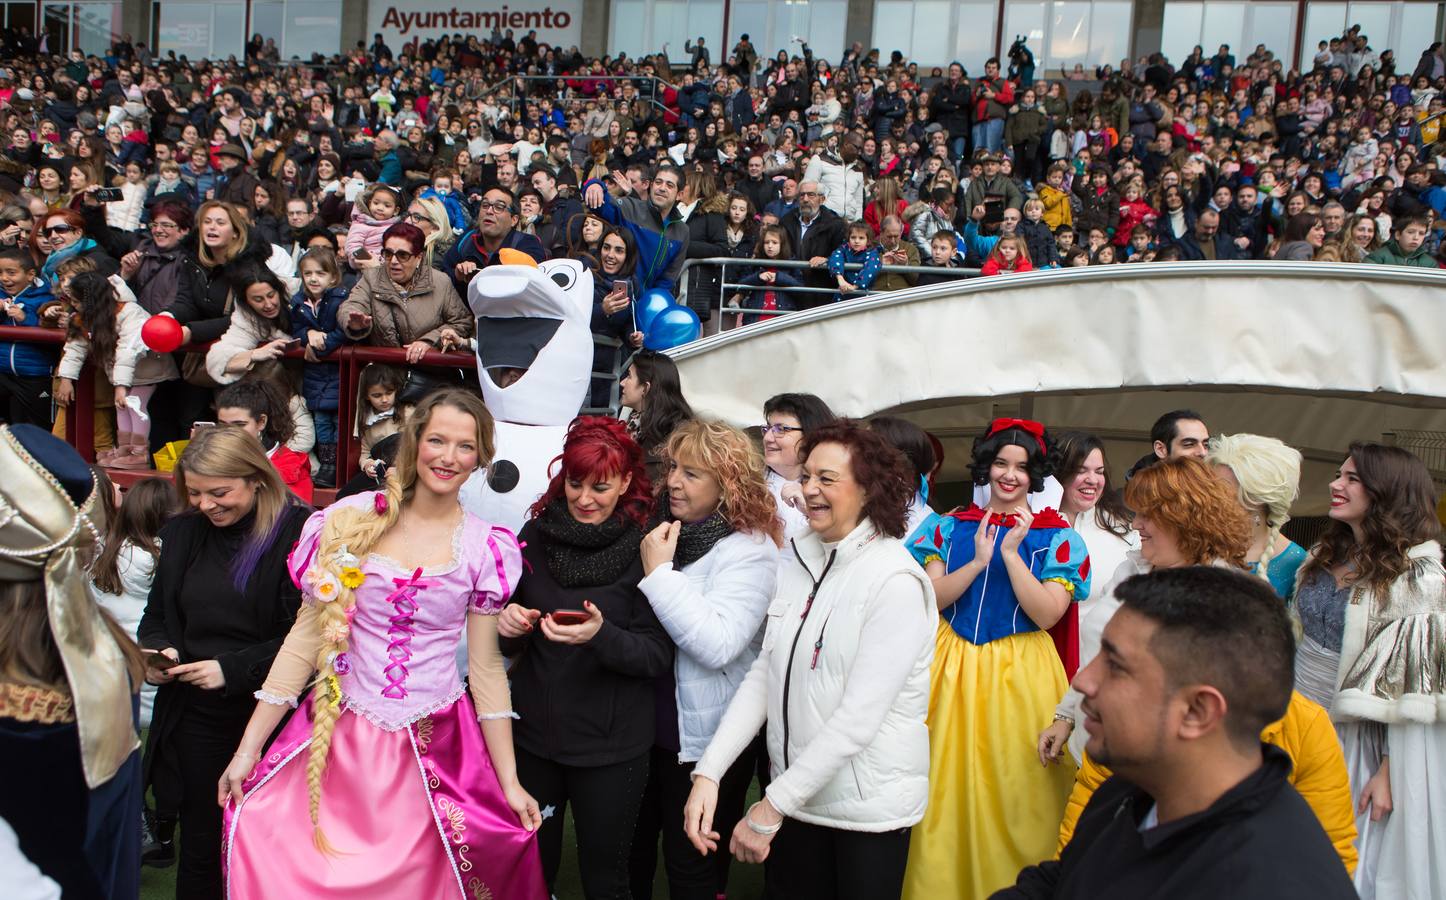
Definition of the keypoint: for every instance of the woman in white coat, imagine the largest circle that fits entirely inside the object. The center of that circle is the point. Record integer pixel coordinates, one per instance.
(709, 572)
(843, 681)
(1371, 600)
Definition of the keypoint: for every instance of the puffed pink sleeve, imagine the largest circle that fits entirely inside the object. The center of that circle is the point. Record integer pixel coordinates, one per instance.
(304, 553)
(498, 572)
(497, 576)
(296, 659)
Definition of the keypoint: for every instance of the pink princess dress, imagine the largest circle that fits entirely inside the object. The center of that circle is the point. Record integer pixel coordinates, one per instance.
(410, 800)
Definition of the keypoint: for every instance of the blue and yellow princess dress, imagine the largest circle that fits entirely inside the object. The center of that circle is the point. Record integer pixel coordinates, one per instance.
(996, 679)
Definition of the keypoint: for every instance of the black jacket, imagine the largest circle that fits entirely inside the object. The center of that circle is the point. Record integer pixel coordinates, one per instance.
(824, 236)
(587, 705)
(951, 105)
(253, 624)
(1259, 840)
(205, 311)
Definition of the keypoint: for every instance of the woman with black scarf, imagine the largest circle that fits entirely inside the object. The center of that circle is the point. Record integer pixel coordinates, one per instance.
(586, 648)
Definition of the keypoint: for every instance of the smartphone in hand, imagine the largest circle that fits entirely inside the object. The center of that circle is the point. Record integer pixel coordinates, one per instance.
(569, 616)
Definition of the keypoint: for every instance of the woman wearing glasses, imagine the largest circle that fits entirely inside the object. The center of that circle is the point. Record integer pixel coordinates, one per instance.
(428, 214)
(403, 303)
(64, 233)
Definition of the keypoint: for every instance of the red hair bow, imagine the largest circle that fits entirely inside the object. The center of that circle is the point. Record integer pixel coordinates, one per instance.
(1028, 426)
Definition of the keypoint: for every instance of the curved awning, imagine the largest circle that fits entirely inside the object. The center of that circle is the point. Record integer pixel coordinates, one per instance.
(1317, 354)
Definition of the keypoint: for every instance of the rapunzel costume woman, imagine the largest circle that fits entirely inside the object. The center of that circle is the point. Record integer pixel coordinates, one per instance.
(383, 783)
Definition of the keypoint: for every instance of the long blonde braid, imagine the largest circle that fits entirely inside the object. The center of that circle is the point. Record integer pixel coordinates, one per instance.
(357, 529)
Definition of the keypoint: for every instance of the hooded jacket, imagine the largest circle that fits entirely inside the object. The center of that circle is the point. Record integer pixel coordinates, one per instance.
(28, 360)
(662, 245)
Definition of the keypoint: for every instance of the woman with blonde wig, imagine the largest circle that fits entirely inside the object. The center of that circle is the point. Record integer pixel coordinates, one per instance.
(710, 567)
(1265, 474)
(220, 604)
(383, 783)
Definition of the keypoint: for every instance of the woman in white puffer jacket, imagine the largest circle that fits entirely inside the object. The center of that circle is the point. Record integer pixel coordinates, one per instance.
(843, 682)
(709, 572)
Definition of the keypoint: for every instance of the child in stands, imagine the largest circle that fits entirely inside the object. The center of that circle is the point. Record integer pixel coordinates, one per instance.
(313, 320)
(857, 248)
(1008, 256)
(107, 326)
(377, 413)
(769, 284)
(25, 369)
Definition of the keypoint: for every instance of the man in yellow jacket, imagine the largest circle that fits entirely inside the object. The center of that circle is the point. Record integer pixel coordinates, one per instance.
(1318, 773)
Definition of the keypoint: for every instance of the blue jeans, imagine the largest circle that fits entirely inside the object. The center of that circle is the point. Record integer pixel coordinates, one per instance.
(325, 425)
(989, 135)
(957, 147)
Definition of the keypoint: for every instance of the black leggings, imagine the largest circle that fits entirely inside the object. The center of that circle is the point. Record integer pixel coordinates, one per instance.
(201, 747)
(605, 802)
(691, 876)
(817, 863)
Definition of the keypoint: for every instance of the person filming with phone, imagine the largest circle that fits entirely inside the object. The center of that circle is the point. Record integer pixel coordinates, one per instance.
(615, 288)
(586, 649)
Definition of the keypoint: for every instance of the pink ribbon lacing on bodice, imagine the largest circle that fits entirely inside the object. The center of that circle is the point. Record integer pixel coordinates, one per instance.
(404, 600)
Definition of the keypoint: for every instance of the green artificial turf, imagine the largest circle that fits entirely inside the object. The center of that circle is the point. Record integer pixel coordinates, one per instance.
(744, 882)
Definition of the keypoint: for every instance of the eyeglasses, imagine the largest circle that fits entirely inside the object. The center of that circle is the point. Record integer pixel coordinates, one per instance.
(53, 230)
(776, 428)
(161, 225)
(415, 218)
(496, 205)
(401, 256)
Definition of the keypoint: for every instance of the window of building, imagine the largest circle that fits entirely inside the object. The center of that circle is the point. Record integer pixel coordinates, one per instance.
(89, 27)
(937, 32)
(1064, 33)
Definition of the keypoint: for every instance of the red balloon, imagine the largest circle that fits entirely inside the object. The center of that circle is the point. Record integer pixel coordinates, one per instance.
(162, 334)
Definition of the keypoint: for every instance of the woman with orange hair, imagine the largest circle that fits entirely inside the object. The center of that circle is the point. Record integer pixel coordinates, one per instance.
(1185, 516)
(710, 568)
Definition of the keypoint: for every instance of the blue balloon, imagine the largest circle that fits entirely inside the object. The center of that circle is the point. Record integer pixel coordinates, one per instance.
(652, 302)
(672, 327)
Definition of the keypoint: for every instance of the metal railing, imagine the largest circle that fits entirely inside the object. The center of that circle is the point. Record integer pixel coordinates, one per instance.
(350, 361)
(652, 95)
(722, 263)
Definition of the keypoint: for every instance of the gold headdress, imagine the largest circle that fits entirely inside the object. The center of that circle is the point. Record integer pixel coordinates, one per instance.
(46, 536)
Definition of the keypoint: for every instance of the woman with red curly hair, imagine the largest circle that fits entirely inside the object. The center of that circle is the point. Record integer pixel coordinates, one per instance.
(1185, 515)
(843, 682)
(586, 648)
(710, 567)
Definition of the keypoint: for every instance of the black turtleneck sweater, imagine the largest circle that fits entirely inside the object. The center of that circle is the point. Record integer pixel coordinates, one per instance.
(195, 607)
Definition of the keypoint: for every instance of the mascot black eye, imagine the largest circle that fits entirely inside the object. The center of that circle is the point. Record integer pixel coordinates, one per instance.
(563, 278)
(503, 476)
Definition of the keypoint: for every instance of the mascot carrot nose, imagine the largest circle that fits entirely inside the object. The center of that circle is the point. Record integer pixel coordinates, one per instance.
(510, 257)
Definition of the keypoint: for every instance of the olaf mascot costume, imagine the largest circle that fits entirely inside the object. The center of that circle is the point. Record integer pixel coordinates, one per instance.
(534, 317)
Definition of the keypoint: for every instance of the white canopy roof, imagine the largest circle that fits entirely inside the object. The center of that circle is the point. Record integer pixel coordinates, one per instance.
(1317, 354)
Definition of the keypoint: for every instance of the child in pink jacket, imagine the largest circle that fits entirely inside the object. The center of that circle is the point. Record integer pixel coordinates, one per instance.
(377, 208)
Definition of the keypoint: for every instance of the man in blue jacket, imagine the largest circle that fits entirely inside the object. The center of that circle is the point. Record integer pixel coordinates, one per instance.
(661, 233)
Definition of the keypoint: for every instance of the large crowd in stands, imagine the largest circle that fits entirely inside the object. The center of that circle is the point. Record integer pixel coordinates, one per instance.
(262, 204)
(1153, 685)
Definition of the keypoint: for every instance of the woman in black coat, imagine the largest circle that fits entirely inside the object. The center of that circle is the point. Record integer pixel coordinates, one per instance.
(707, 237)
(586, 649)
(221, 603)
